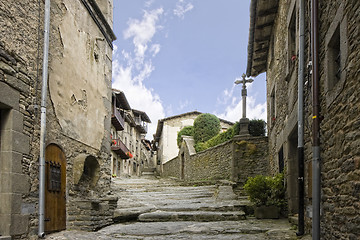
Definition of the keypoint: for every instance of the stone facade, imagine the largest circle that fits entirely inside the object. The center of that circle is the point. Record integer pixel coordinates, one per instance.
(129, 138)
(79, 99)
(339, 110)
(234, 160)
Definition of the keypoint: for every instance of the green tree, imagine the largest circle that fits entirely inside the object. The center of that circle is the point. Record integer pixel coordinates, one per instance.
(187, 131)
(257, 127)
(206, 126)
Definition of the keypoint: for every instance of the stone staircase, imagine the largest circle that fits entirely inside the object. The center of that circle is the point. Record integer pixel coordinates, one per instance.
(154, 203)
(149, 173)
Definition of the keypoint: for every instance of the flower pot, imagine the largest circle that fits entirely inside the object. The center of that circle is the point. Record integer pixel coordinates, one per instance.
(267, 212)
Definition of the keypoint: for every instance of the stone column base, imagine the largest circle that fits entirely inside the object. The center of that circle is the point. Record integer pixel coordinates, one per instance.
(244, 127)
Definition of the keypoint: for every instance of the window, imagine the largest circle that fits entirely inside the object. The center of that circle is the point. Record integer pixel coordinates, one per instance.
(335, 56)
(273, 107)
(291, 40)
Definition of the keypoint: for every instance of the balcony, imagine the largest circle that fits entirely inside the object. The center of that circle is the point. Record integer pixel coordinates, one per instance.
(117, 120)
(119, 148)
(141, 125)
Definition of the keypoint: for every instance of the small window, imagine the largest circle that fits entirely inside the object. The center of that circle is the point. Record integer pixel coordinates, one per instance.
(334, 59)
(292, 42)
(273, 107)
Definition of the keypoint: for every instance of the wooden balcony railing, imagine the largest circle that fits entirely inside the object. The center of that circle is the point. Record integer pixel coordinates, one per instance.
(119, 148)
(117, 120)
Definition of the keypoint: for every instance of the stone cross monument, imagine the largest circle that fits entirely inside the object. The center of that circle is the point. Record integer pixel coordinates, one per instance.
(244, 122)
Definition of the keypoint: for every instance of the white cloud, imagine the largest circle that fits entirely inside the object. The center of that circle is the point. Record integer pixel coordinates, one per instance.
(136, 67)
(181, 8)
(142, 32)
(231, 98)
(155, 49)
(233, 112)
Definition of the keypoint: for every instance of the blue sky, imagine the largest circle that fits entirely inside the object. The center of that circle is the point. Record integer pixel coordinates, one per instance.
(177, 56)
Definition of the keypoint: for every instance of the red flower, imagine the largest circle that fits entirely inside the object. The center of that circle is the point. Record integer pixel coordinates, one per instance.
(113, 142)
(129, 154)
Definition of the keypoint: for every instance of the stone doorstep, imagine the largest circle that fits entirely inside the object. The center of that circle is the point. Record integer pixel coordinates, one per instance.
(200, 216)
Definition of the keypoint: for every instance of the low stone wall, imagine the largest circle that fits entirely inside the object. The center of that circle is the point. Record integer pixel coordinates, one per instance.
(250, 158)
(211, 164)
(91, 214)
(234, 160)
(171, 168)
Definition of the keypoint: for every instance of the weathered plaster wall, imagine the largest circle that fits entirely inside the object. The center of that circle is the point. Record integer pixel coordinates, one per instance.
(76, 82)
(67, 74)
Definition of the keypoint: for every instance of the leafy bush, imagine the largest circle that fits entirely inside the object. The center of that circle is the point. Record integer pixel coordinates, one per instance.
(265, 190)
(257, 127)
(187, 131)
(219, 139)
(206, 126)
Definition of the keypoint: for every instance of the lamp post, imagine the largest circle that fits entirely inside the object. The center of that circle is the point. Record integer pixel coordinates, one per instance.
(244, 122)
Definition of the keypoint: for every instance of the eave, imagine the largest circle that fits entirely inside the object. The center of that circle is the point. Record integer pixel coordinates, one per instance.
(262, 17)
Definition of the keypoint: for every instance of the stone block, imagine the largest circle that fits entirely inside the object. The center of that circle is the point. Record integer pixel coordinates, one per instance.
(14, 183)
(9, 96)
(10, 203)
(15, 141)
(5, 220)
(17, 84)
(11, 162)
(19, 224)
(12, 120)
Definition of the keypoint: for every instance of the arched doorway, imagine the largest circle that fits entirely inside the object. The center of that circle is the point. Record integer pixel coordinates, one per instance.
(55, 185)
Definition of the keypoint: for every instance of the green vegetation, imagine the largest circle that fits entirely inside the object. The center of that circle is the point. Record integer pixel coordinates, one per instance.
(186, 131)
(206, 126)
(218, 139)
(266, 190)
(257, 127)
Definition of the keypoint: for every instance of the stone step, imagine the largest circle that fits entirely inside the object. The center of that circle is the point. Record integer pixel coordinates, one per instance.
(198, 216)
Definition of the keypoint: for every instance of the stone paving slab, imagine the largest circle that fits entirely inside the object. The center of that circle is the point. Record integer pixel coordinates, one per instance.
(200, 216)
(247, 229)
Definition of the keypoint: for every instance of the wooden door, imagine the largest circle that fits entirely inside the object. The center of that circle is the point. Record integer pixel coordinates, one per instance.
(55, 185)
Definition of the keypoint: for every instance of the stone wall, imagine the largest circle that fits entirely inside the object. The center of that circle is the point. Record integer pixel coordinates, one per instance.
(340, 135)
(20, 93)
(211, 164)
(250, 156)
(91, 214)
(171, 168)
(234, 160)
(339, 129)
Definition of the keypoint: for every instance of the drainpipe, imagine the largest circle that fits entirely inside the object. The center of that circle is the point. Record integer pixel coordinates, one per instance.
(316, 183)
(301, 118)
(41, 231)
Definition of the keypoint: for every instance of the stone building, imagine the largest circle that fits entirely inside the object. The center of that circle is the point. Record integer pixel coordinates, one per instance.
(165, 138)
(280, 44)
(129, 152)
(77, 153)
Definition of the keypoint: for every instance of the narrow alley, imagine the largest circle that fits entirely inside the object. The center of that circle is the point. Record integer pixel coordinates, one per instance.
(166, 209)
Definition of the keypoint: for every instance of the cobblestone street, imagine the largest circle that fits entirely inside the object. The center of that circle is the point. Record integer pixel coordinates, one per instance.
(163, 209)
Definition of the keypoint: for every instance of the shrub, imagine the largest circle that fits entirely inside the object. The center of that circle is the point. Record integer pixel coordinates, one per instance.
(219, 138)
(187, 131)
(257, 127)
(206, 126)
(265, 190)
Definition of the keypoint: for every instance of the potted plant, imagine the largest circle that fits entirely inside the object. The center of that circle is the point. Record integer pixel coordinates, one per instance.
(268, 195)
